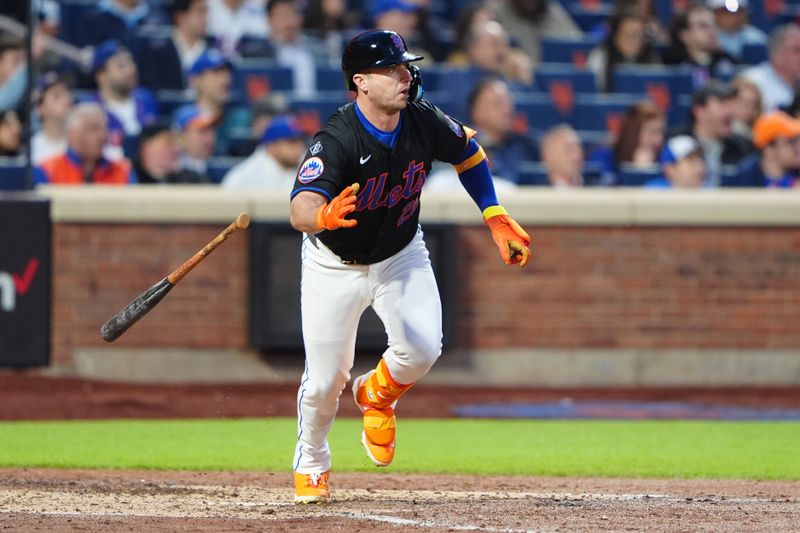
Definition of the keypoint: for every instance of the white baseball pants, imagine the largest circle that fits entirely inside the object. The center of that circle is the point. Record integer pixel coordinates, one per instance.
(402, 291)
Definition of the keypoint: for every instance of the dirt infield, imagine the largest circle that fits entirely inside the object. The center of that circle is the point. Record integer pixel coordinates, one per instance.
(57, 500)
(71, 500)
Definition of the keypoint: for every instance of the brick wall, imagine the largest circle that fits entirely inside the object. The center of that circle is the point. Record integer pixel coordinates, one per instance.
(98, 269)
(587, 287)
(636, 287)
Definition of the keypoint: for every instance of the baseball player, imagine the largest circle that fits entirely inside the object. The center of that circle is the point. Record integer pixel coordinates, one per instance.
(356, 198)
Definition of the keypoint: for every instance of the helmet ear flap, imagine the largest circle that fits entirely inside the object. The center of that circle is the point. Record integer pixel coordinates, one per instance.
(415, 90)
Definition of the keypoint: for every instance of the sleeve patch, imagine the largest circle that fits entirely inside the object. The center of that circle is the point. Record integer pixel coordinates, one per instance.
(454, 126)
(310, 170)
(317, 148)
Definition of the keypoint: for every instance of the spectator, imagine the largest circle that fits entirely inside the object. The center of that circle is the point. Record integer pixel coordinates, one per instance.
(115, 19)
(53, 101)
(261, 112)
(165, 64)
(735, 31)
(712, 117)
(779, 76)
(655, 32)
(195, 128)
(562, 156)
(211, 78)
(527, 21)
(626, 43)
(274, 163)
(468, 19)
(776, 135)
(10, 129)
(682, 164)
(157, 160)
(747, 107)
(230, 20)
(694, 43)
(639, 143)
(288, 46)
(489, 54)
(13, 72)
(327, 20)
(83, 162)
(401, 16)
(129, 107)
(492, 112)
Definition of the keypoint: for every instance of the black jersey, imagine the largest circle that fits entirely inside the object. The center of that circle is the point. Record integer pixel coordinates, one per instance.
(390, 179)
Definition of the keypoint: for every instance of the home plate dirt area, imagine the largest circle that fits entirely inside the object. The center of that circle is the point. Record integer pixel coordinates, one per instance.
(70, 500)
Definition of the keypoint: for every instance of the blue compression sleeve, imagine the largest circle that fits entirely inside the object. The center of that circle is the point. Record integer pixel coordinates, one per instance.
(476, 177)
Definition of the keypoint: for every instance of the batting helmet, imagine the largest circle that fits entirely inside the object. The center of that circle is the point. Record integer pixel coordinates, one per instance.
(375, 49)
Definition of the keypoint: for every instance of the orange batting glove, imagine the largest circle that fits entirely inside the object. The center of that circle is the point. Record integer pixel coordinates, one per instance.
(509, 236)
(331, 215)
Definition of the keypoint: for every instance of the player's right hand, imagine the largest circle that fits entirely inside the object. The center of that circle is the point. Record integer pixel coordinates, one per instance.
(331, 215)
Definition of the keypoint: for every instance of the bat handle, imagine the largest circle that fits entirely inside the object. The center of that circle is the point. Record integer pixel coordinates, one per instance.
(241, 222)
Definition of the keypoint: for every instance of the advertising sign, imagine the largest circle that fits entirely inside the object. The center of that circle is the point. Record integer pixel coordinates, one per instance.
(24, 282)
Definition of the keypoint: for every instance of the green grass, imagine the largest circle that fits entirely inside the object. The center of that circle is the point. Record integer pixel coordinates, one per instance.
(684, 449)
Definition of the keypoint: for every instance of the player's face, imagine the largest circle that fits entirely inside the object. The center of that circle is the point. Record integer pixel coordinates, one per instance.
(387, 88)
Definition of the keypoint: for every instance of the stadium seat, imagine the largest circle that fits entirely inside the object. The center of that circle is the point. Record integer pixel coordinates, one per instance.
(753, 54)
(574, 51)
(636, 177)
(313, 113)
(255, 78)
(663, 85)
(70, 13)
(169, 101)
(330, 79)
(603, 112)
(12, 174)
(539, 112)
(577, 79)
(588, 15)
(532, 173)
(219, 166)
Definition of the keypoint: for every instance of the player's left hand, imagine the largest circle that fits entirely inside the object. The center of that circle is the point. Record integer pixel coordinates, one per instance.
(509, 236)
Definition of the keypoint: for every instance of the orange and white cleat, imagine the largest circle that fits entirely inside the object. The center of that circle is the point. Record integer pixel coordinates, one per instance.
(311, 488)
(375, 394)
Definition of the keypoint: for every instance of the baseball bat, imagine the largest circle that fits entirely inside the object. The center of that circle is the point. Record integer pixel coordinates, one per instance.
(145, 302)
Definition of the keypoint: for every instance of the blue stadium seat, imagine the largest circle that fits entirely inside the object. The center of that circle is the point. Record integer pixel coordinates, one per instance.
(71, 12)
(588, 18)
(602, 112)
(12, 174)
(635, 177)
(768, 15)
(169, 101)
(219, 166)
(254, 78)
(753, 54)
(532, 173)
(539, 111)
(574, 51)
(330, 79)
(642, 78)
(564, 74)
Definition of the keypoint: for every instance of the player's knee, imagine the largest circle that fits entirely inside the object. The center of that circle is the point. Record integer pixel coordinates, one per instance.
(325, 389)
(422, 354)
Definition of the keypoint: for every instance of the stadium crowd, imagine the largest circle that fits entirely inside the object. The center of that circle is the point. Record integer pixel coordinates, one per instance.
(563, 93)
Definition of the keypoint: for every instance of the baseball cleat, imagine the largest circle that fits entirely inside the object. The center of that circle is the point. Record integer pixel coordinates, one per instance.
(380, 425)
(311, 488)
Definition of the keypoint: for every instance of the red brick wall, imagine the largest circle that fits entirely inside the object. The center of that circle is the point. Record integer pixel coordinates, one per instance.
(98, 269)
(635, 287)
(609, 287)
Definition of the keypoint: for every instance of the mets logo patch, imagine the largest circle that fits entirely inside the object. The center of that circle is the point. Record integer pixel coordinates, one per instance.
(310, 170)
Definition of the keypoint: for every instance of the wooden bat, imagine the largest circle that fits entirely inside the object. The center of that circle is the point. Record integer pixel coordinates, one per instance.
(142, 304)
